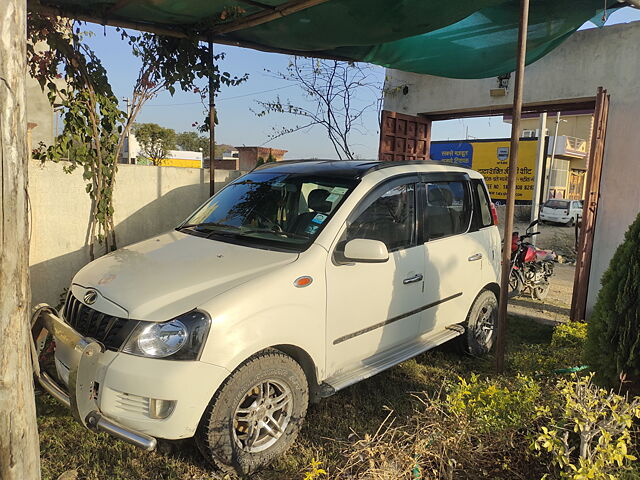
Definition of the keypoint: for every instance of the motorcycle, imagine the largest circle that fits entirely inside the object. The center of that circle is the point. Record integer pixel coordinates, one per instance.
(531, 268)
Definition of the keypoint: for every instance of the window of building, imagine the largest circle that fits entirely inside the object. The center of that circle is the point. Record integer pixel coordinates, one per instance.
(559, 173)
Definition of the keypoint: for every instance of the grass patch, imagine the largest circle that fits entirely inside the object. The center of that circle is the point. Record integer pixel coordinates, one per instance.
(330, 426)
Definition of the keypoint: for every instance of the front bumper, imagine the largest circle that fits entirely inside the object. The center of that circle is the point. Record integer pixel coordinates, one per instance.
(555, 219)
(82, 401)
(108, 390)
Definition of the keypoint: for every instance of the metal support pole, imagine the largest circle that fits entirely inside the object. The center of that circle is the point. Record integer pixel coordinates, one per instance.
(553, 157)
(212, 123)
(539, 173)
(511, 185)
(127, 102)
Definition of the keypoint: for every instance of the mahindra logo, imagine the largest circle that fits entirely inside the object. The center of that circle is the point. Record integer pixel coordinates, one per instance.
(90, 297)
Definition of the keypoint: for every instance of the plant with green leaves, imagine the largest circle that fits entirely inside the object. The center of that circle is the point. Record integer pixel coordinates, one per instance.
(167, 63)
(92, 119)
(613, 340)
(492, 404)
(589, 435)
(94, 126)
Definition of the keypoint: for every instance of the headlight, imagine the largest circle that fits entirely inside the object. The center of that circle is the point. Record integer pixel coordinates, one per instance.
(181, 338)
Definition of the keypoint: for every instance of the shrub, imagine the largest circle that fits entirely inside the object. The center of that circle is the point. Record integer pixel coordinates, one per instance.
(613, 340)
(569, 335)
(494, 406)
(589, 435)
(564, 351)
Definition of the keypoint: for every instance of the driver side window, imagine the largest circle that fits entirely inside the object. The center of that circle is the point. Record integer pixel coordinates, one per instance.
(390, 218)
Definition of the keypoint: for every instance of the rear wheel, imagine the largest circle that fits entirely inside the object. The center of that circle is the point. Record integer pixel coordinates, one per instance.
(540, 291)
(481, 324)
(256, 415)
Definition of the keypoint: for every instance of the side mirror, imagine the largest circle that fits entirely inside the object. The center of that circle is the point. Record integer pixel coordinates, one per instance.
(365, 250)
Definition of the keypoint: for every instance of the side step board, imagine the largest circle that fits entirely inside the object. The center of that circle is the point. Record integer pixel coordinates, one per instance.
(382, 361)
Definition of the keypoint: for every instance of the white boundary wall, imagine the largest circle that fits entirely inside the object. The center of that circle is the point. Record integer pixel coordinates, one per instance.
(608, 57)
(147, 201)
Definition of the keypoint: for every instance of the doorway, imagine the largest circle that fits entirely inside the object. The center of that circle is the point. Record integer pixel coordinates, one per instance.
(405, 137)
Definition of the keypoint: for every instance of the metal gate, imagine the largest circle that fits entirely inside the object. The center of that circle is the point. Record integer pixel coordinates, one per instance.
(404, 137)
(590, 209)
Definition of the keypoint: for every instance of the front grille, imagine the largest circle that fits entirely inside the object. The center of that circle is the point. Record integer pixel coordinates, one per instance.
(109, 330)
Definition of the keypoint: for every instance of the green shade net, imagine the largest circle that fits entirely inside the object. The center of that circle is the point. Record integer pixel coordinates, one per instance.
(450, 38)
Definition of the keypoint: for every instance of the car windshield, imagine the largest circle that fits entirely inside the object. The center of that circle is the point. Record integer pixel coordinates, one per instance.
(271, 209)
(557, 204)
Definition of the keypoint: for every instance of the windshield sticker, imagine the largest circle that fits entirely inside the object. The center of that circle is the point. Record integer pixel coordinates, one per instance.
(339, 190)
(311, 229)
(333, 197)
(319, 218)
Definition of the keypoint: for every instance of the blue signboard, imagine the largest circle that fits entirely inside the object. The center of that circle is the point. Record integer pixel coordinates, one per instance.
(458, 153)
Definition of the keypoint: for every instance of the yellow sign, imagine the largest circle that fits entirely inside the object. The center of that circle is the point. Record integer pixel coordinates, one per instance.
(491, 159)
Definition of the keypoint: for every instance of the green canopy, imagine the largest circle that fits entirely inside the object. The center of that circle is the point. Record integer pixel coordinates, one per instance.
(451, 38)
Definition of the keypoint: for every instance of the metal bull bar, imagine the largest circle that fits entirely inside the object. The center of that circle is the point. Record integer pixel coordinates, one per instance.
(81, 398)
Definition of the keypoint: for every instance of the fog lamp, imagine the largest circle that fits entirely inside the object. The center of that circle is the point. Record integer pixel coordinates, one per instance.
(161, 408)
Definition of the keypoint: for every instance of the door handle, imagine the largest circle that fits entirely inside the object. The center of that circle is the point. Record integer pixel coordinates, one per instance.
(473, 258)
(416, 278)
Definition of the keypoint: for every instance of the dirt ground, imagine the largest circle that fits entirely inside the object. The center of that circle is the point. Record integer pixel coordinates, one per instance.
(557, 305)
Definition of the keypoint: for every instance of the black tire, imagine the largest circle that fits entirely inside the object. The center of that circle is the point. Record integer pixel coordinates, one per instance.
(477, 340)
(218, 435)
(515, 285)
(571, 222)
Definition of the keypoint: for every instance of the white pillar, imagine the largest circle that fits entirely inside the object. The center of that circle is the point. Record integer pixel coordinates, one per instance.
(539, 173)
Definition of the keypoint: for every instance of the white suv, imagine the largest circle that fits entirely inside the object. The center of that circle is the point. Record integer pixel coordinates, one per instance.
(294, 281)
(558, 210)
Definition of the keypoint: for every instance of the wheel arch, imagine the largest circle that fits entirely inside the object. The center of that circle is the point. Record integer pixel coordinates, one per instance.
(493, 287)
(306, 363)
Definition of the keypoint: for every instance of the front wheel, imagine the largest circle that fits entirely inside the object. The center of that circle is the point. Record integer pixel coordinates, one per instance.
(515, 285)
(256, 415)
(481, 324)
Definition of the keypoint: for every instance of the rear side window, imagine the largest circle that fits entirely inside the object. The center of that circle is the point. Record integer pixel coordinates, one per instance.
(484, 216)
(448, 209)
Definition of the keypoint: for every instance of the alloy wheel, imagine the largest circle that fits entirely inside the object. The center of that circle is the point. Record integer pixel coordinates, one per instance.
(262, 416)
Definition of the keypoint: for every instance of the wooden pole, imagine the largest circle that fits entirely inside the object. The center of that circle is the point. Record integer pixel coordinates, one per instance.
(265, 16)
(511, 185)
(212, 123)
(19, 446)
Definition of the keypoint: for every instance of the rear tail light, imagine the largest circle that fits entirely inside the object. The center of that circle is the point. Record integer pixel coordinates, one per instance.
(494, 213)
(567, 212)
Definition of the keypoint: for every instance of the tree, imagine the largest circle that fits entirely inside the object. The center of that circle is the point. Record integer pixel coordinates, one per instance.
(338, 93)
(613, 335)
(94, 126)
(155, 141)
(193, 142)
(19, 446)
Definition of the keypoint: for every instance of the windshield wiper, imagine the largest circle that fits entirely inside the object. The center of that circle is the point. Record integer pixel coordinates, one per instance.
(207, 224)
(276, 232)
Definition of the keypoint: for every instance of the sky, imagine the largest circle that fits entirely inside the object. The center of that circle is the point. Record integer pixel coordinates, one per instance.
(239, 125)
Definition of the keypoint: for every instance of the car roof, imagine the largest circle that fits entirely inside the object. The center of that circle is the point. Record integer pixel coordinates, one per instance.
(354, 168)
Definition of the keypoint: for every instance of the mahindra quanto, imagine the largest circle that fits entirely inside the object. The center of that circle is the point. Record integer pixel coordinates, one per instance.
(291, 283)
